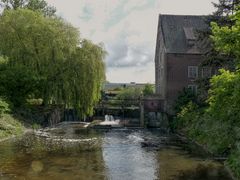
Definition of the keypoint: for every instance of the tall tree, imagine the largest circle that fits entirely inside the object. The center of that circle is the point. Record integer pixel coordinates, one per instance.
(212, 58)
(148, 90)
(226, 39)
(69, 70)
(35, 5)
(224, 9)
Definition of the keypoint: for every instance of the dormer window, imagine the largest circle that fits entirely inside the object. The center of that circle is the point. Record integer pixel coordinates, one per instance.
(190, 36)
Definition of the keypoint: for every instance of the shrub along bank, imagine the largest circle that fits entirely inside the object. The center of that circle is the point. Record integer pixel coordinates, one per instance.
(216, 124)
(9, 126)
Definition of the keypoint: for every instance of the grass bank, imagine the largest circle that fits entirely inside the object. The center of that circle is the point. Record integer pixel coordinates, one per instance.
(10, 126)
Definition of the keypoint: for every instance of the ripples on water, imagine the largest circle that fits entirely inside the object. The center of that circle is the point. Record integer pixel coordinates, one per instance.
(115, 154)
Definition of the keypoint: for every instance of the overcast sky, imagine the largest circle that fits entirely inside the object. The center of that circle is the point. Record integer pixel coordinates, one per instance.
(128, 29)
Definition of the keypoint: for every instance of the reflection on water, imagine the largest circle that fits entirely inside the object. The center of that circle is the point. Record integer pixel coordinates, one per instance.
(124, 157)
(93, 155)
(175, 164)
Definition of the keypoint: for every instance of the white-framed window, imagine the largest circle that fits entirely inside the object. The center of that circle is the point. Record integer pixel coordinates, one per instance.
(193, 88)
(192, 71)
(206, 72)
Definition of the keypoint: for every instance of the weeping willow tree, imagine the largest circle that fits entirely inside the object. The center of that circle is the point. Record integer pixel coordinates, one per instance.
(69, 70)
(35, 5)
(80, 85)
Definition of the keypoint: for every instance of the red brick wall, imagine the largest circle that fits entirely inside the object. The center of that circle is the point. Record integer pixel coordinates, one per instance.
(153, 105)
(177, 73)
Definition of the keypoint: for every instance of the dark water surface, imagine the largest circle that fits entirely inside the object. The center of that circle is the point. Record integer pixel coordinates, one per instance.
(72, 153)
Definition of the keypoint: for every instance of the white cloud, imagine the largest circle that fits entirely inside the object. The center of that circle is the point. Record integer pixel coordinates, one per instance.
(128, 28)
(130, 74)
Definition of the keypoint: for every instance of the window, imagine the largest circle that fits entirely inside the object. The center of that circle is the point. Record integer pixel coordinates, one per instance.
(193, 88)
(190, 35)
(192, 71)
(206, 72)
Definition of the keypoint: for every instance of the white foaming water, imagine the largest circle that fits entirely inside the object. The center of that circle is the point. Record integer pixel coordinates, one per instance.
(135, 138)
(109, 120)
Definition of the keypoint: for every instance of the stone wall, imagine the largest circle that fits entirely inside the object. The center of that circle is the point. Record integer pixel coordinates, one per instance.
(156, 120)
(154, 116)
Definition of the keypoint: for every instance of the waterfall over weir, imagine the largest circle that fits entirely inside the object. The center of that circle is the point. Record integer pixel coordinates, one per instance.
(109, 120)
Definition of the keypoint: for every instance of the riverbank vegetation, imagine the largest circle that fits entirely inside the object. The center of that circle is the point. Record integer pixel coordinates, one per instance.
(9, 126)
(216, 122)
(129, 96)
(44, 60)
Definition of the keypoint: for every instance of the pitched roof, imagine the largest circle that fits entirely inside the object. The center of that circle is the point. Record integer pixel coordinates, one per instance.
(180, 31)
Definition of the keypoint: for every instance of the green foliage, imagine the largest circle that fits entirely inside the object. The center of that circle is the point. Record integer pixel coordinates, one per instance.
(36, 126)
(148, 90)
(9, 126)
(4, 107)
(217, 126)
(38, 42)
(219, 122)
(84, 78)
(48, 60)
(224, 96)
(234, 161)
(35, 5)
(224, 109)
(226, 38)
(17, 84)
(183, 99)
(129, 96)
(222, 17)
(226, 7)
(189, 120)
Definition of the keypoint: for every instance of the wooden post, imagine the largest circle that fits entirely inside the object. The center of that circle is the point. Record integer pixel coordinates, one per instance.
(141, 112)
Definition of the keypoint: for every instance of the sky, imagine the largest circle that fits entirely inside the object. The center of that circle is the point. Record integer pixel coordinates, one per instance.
(128, 30)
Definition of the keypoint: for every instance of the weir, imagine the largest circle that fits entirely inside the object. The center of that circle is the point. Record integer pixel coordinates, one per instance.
(148, 112)
(109, 120)
(140, 112)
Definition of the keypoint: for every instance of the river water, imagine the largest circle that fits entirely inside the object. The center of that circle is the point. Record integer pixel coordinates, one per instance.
(71, 153)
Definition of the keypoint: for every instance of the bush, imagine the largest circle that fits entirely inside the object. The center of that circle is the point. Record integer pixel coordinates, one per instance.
(17, 84)
(224, 111)
(217, 126)
(129, 97)
(190, 121)
(4, 107)
(10, 126)
(148, 90)
(184, 97)
(234, 161)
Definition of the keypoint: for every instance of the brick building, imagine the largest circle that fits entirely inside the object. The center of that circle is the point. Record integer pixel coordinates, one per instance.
(178, 56)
